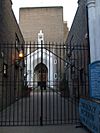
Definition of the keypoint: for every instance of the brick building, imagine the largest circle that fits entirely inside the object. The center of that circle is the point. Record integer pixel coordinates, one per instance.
(9, 28)
(46, 23)
(10, 38)
(47, 19)
(78, 52)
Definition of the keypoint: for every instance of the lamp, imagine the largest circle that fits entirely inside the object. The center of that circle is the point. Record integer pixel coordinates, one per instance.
(19, 60)
(21, 55)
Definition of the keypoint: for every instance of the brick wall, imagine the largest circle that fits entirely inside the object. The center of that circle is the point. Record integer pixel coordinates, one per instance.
(48, 19)
(8, 23)
(79, 25)
(77, 38)
(9, 30)
(66, 30)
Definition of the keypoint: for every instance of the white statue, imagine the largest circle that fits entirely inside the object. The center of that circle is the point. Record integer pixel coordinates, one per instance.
(40, 37)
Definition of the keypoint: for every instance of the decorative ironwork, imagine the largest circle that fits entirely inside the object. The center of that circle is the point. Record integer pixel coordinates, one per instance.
(31, 95)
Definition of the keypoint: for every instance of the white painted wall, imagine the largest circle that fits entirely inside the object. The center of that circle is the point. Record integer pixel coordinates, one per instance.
(35, 59)
(97, 28)
(94, 28)
(91, 20)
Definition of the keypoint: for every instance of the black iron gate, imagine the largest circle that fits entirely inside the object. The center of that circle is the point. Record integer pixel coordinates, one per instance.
(40, 84)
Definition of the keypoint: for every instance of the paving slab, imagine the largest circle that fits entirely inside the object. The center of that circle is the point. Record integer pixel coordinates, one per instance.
(44, 129)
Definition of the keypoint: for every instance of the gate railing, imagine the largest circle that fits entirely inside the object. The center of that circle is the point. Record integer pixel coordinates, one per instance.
(43, 85)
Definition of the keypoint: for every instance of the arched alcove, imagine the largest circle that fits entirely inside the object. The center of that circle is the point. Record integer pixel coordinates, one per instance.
(40, 69)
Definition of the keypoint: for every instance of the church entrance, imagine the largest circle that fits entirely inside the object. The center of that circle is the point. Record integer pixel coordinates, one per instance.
(41, 75)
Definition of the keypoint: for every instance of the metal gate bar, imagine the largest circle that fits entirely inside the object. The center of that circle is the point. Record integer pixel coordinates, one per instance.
(40, 84)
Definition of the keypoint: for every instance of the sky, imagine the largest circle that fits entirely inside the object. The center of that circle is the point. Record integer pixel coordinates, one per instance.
(69, 7)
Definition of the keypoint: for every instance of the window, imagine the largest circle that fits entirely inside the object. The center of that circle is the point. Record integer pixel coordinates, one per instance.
(55, 61)
(29, 71)
(16, 41)
(5, 69)
(2, 54)
(40, 37)
(55, 75)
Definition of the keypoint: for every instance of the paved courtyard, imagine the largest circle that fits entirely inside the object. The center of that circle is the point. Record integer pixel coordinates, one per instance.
(55, 110)
(44, 129)
(26, 111)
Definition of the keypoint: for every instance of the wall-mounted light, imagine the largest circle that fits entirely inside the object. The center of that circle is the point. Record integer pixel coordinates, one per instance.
(5, 69)
(21, 55)
(18, 61)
